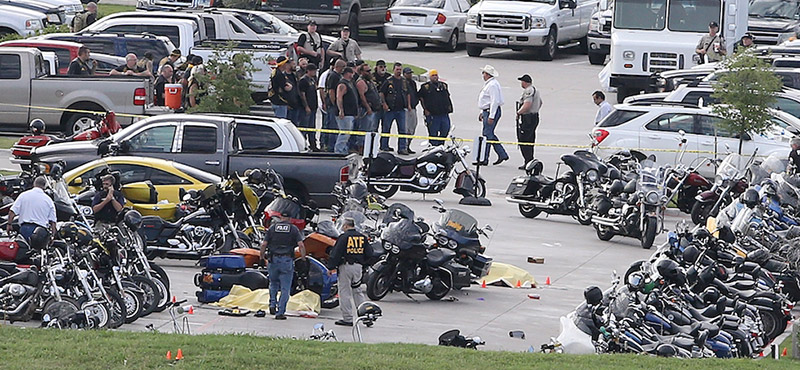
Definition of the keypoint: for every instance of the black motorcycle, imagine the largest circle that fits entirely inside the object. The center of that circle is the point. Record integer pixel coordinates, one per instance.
(459, 231)
(409, 266)
(429, 173)
(563, 195)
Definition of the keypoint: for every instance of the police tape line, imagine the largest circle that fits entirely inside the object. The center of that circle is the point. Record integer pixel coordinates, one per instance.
(401, 136)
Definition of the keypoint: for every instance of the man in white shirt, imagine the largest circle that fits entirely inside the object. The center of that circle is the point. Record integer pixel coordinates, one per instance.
(604, 108)
(34, 208)
(490, 100)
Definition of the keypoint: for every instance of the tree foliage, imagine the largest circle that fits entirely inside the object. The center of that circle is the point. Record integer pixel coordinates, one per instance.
(227, 82)
(745, 94)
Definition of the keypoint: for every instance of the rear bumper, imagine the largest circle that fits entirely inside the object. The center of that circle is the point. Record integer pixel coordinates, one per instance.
(416, 33)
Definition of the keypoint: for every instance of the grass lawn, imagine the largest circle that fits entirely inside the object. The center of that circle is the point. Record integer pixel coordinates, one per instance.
(53, 349)
(106, 9)
(390, 63)
(7, 141)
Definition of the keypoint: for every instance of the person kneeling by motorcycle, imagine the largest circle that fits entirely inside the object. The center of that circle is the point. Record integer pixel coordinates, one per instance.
(281, 239)
(107, 204)
(347, 257)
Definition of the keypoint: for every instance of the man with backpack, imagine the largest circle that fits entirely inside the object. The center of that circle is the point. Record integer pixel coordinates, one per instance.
(309, 45)
(86, 18)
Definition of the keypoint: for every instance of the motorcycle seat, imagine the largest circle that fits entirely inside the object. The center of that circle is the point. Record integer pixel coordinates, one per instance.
(439, 256)
(744, 294)
(544, 180)
(742, 285)
(405, 162)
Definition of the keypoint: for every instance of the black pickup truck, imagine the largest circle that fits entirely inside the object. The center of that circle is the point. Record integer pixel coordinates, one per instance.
(220, 145)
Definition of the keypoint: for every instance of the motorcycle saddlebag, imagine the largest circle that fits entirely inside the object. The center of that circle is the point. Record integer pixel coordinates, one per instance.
(481, 265)
(461, 274)
(521, 185)
(225, 281)
(210, 296)
(251, 256)
(224, 263)
(8, 250)
(382, 165)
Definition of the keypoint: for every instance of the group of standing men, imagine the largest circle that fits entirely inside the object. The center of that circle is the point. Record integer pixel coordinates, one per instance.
(352, 97)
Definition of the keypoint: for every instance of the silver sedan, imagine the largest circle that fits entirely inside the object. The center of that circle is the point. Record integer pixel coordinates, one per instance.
(423, 21)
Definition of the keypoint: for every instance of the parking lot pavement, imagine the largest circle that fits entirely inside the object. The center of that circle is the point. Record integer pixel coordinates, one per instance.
(574, 257)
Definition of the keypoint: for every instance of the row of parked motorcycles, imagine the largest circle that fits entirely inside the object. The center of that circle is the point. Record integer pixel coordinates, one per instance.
(82, 277)
(723, 289)
(627, 193)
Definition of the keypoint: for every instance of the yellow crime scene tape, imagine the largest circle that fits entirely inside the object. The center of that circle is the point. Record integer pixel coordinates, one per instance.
(402, 136)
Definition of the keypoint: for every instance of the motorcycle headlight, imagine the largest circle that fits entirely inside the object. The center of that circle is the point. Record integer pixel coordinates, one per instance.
(441, 240)
(452, 244)
(592, 175)
(387, 246)
(652, 197)
(718, 181)
(395, 249)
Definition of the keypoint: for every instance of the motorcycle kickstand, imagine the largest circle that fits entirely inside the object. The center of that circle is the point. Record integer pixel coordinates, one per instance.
(410, 297)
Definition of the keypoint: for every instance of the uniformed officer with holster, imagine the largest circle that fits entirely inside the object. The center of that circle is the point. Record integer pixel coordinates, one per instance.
(281, 239)
(347, 257)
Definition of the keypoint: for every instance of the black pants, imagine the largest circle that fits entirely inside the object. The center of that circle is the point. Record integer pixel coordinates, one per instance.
(526, 133)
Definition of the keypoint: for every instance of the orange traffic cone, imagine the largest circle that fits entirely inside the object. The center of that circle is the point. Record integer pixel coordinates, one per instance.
(547, 282)
(519, 284)
(784, 353)
(179, 356)
(191, 310)
(169, 355)
(483, 284)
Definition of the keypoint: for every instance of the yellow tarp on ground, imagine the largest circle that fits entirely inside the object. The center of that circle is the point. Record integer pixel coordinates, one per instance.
(303, 304)
(509, 275)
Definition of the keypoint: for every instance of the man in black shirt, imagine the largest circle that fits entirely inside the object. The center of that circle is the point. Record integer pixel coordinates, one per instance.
(411, 113)
(81, 65)
(378, 77)
(281, 239)
(396, 100)
(328, 141)
(346, 109)
(308, 95)
(165, 77)
(130, 68)
(107, 204)
(348, 257)
(293, 95)
(436, 104)
(279, 88)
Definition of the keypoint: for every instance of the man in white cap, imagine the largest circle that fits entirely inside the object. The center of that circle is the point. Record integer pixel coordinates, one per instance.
(490, 100)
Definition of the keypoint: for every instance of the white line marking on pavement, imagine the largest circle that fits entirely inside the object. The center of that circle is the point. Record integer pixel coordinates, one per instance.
(575, 63)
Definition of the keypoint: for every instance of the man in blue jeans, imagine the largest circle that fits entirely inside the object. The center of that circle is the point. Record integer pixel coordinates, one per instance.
(396, 100)
(489, 101)
(347, 109)
(281, 239)
(34, 208)
(437, 106)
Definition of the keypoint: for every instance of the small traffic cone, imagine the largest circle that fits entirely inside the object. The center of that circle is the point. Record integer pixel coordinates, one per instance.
(547, 282)
(784, 353)
(191, 310)
(519, 284)
(179, 356)
(169, 355)
(483, 284)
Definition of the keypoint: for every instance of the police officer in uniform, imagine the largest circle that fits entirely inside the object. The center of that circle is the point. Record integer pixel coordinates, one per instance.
(280, 240)
(347, 256)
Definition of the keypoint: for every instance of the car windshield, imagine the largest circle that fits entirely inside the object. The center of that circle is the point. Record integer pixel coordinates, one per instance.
(640, 14)
(775, 9)
(692, 15)
(458, 221)
(438, 4)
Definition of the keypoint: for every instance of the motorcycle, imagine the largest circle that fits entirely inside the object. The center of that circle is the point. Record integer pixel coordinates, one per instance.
(409, 266)
(563, 195)
(729, 183)
(458, 231)
(634, 209)
(429, 173)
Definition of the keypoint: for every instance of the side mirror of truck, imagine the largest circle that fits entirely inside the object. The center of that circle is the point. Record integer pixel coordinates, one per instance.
(567, 4)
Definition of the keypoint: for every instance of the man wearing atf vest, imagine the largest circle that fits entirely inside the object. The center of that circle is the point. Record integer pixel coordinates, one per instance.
(347, 257)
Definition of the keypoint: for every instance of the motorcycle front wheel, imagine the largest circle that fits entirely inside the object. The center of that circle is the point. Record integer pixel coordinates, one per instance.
(98, 311)
(66, 307)
(649, 232)
(604, 233)
(379, 284)
(440, 289)
(152, 294)
(385, 191)
(584, 216)
(133, 302)
(528, 211)
(700, 212)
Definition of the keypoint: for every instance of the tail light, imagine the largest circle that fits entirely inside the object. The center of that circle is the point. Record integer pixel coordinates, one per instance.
(337, 4)
(440, 19)
(388, 17)
(344, 174)
(139, 96)
(599, 135)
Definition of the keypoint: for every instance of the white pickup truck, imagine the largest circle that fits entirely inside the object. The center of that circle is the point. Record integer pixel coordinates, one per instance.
(20, 21)
(526, 24)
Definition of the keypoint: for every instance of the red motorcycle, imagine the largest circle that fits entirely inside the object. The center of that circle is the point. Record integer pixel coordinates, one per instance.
(104, 126)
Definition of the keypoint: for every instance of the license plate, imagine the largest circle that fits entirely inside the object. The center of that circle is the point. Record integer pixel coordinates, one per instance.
(415, 20)
(296, 17)
(501, 40)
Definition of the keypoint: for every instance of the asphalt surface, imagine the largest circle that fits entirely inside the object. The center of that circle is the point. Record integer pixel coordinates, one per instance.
(574, 257)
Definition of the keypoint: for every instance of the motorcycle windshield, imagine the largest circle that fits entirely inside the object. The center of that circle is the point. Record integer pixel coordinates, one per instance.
(403, 233)
(458, 222)
(60, 192)
(358, 190)
(397, 211)
(281, 205)
(729, 168)
(358, 218)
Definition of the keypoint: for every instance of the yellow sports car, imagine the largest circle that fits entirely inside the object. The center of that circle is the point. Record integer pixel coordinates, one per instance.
(150, 185)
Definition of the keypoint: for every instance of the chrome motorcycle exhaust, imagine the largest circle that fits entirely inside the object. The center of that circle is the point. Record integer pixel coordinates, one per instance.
(19, 308)
(605, 221)
(529, 203)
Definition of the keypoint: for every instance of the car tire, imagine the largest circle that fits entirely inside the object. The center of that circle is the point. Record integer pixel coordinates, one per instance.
(474, 50)
(381, 35)
(352, 22)
(391, 44)
(548, 50)
(452, 44)
(78, 122)
(597, 59)
(584, 44)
